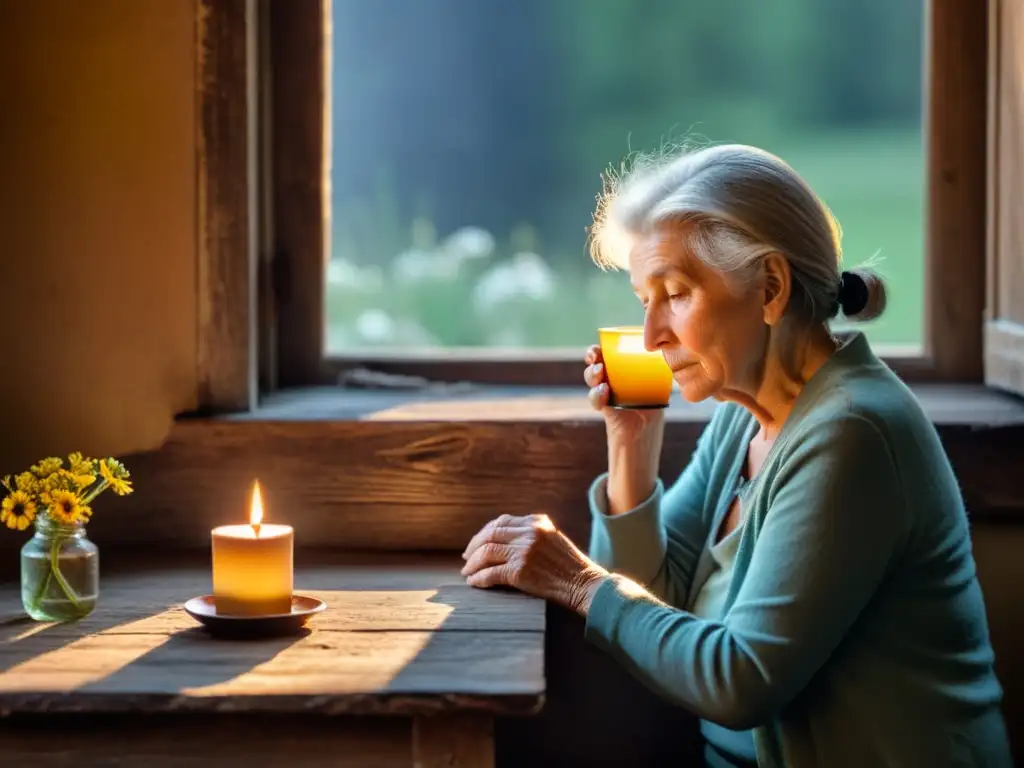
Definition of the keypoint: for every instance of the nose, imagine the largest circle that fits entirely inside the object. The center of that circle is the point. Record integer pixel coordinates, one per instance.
(657, 330)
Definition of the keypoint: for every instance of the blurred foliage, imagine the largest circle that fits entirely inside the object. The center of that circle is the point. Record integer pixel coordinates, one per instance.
(456, 113)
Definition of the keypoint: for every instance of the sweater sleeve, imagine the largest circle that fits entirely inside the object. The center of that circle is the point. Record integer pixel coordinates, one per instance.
(836, 518)
(658, 542)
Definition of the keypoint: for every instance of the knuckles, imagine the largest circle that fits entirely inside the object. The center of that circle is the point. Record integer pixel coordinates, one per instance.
(514, 558)
(491, 551)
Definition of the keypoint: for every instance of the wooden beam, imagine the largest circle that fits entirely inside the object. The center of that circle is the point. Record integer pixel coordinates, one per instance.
(992, 156)
(197, 741)
(956, 133)
(300, 155)
(453, 741)
(226, 204)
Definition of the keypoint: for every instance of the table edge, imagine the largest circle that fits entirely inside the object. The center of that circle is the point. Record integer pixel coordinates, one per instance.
(384, 704)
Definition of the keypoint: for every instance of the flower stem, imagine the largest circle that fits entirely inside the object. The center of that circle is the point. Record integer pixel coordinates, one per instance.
(55, 570)
(44, 584)
(100, 488)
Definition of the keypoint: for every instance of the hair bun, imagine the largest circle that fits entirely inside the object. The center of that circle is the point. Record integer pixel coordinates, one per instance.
(861, 294)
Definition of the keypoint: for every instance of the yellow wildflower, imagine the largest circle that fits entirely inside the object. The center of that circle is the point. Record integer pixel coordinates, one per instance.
(62, 480)
(64, 493)
(45, 496)
(47, 486)
(67, 508)
(27, 482)
(80, 465)
(17, 510)
(116, 475)
(46, 467)
(77, 480)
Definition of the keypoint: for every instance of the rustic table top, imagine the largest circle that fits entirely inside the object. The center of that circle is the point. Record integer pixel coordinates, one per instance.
(401, 635)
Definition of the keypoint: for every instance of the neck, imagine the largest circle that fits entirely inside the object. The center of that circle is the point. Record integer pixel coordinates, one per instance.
(772, 399)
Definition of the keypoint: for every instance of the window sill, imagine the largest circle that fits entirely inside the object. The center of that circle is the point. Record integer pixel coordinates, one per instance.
(424, 470)
(445, 402)
(947, 405)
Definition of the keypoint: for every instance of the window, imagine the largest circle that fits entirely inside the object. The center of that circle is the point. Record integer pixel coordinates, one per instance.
(1004, 331)
(448, 472)
(434, 164)
(467, 139)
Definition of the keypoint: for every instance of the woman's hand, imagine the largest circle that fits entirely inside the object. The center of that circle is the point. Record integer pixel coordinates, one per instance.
(624, 426)
(634, 440)
(530, 554)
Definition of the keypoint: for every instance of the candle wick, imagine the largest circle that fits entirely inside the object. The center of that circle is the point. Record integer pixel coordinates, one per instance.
(256, 529)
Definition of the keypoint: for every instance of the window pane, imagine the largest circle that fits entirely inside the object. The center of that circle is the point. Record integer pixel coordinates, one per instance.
(468, 138)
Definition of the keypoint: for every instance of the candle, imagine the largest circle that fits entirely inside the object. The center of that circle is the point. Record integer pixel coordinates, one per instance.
(253, 565)
(636, 377)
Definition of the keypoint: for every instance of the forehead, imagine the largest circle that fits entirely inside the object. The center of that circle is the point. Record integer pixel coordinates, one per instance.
(659, 253)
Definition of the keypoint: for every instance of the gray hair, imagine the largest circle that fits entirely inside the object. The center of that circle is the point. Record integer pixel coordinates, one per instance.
(741, 203)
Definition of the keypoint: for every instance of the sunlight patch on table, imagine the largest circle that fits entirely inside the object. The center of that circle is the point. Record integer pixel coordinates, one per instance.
(79, 663)
(355, 610)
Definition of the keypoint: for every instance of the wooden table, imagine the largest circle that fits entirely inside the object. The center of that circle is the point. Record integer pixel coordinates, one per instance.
(407, 665)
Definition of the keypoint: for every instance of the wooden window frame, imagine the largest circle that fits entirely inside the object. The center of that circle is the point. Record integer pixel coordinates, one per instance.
(279, 302)
(1004, 317)
(227, 205)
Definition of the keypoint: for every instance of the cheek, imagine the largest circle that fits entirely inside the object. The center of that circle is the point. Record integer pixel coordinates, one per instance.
(741, 338)
(696, 326)
(696, 329)
(722, 336)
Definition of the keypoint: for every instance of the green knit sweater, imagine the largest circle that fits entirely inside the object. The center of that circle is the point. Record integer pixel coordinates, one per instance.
(854, 631)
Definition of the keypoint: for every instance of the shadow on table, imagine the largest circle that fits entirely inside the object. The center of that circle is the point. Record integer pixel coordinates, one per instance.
(187, 661)
(488, 650)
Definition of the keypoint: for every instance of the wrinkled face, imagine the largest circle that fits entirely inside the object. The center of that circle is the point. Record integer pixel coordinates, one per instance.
(712, 334)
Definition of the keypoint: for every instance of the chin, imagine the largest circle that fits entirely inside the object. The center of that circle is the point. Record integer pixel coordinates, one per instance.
(693, 397)
(695, 389)
(693, 392)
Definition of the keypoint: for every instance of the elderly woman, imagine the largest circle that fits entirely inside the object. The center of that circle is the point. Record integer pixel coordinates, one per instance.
(806, 586)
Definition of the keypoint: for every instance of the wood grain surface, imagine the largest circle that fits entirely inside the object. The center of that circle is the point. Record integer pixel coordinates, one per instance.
(381, 481)
(397, 638)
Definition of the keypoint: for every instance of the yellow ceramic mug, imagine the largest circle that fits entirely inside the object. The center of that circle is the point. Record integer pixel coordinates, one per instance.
(636, 378)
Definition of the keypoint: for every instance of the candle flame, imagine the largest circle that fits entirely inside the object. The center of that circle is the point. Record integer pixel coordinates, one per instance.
(256, 508)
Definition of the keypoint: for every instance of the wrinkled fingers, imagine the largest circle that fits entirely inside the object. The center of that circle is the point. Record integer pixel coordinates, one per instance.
(501, 530)
(493, 576)
(488, 555)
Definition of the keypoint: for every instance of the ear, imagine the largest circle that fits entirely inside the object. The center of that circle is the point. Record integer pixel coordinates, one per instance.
(777, 287)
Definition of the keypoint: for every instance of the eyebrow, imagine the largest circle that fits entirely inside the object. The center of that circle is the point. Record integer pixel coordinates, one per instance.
(661, 273)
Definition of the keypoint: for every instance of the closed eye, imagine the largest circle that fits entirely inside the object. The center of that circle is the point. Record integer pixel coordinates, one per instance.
(676, 289)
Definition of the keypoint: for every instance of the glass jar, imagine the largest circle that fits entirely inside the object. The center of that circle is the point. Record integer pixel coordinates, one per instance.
(60, 572)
